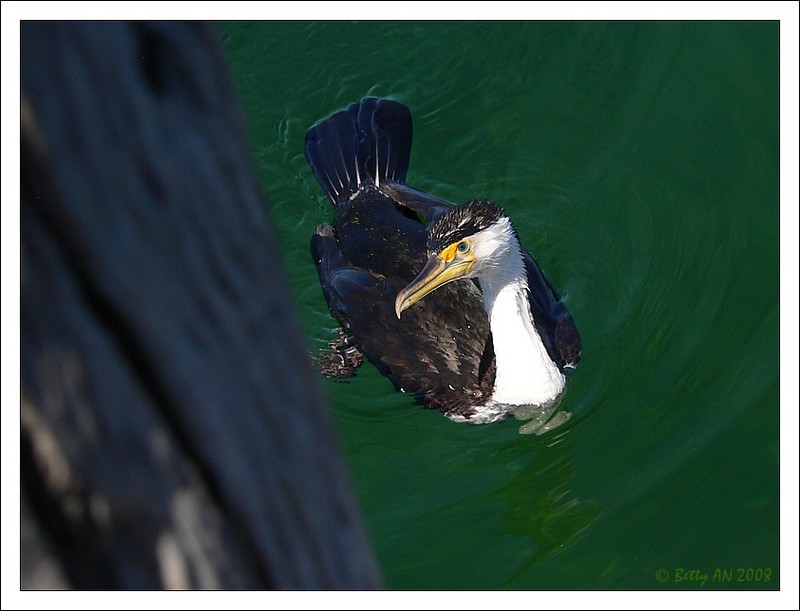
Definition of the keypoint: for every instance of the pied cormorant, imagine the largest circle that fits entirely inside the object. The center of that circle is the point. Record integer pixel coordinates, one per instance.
(496, 342)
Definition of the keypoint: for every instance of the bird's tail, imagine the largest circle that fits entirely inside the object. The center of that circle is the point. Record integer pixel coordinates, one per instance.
(368, 142)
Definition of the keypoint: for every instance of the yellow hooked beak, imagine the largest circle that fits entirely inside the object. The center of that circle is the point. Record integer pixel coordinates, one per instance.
(440, 269)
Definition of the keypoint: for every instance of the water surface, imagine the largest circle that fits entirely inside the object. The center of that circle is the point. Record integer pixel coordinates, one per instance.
(639, 162)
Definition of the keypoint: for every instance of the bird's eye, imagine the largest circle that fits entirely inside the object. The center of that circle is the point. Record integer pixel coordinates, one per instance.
(463, 247)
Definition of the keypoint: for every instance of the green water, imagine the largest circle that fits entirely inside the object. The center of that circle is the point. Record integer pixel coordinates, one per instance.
(639, 162)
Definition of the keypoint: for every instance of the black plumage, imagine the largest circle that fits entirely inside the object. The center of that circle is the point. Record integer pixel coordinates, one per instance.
(382, 233)
(462, 222)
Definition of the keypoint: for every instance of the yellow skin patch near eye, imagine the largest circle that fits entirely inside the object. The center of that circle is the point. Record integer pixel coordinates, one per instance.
(449, 253)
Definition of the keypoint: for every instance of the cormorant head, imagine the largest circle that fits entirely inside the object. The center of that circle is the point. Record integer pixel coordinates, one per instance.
(470, 241)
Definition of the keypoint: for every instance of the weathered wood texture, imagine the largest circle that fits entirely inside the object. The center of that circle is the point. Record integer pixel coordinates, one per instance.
(173, 433)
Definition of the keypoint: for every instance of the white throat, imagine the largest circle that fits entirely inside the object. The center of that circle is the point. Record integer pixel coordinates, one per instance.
(525, 373)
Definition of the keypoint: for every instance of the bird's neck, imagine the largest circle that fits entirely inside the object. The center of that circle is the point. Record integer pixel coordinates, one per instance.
(525, 373)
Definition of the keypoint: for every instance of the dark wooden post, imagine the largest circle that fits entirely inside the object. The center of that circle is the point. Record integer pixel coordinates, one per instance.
(173, 433)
